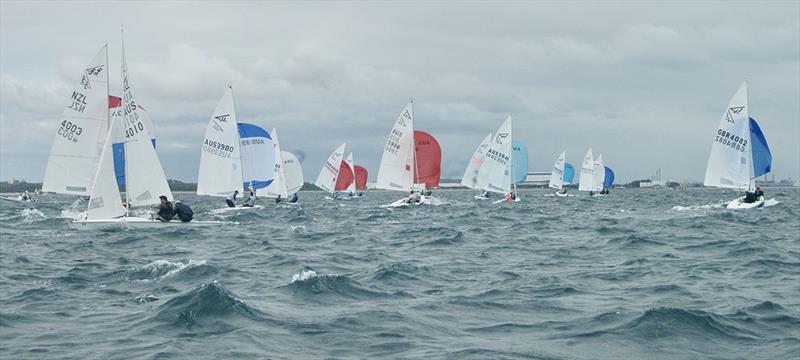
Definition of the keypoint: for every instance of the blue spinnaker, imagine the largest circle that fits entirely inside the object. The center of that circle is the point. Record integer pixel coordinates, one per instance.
(258, 156)
(520, 161)
(609, 180)
(762, 157)
(118, 150)
(569, 174)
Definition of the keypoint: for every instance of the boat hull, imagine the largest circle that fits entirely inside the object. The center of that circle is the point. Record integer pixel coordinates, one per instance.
(137, 223)
(739, 203)
(424, 200)
(226, 210)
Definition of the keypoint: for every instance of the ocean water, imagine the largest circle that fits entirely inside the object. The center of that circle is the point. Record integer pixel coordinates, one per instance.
(656, 274)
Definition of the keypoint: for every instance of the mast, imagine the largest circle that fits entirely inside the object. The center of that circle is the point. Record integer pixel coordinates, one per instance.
(238, 139)
(414, 149)
(108, 92)
(125, 118)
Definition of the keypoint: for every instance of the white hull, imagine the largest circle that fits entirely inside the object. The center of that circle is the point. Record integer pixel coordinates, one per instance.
(517, 199)
(563, 194)
(138, 223)
(226, 210)
(17, 200)
(424, 200)
(739, 203)
(482, 197)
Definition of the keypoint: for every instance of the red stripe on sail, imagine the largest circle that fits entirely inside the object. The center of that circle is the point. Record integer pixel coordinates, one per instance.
(428, 168)
(345, 177)
(361, 177)
(114, 101)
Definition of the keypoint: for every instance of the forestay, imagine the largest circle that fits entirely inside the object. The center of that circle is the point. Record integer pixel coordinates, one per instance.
(258, 156)
(586, 179)
(427, 161)
(470, 178)
(557, 174)
(81, 135)
(220, 160)
(144, 177)
(293, 172)
(495, 173)
(278, 185)
(326, 180)
(730, 162)
(396, 171)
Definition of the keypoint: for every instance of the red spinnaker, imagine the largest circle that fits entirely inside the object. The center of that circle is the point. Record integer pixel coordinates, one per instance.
(361, 177)
(428, 167)
(345, 177)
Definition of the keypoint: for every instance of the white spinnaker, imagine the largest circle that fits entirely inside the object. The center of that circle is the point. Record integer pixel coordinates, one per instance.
(495, 173)
(330, 170)
(557, 174)
(293, 172)
(105, 201)
(586, 180)
(352, 187)
(599, 173)
(278, 185)
(470, 178)
(396, 171)
(144, 177)
(81, 134)
(220, 162)
(730, 163)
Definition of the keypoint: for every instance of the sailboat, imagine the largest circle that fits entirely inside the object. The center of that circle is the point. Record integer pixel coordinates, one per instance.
(361, 178)
(470, 178)
(497, 173)
(739, 152)
(557, 175)
(144, 181)
(231, 155)
(586, 179)
(293, 174)
(78, 144)
(608, 182)
(599, 176)
(331, 171)
(411, 161)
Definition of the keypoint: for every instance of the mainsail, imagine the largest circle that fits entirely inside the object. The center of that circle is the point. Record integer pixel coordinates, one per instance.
(326, 180)
(258, 156)
(427, 160)
(730, 162)
(586, 180)
(599, 173)
(293, 172)
(470, 178)
(278, 185)
(117, 112)
(557, 174)
(396, 171)
(495, 173)
(351, 187)
(220, 160)
(81, 136)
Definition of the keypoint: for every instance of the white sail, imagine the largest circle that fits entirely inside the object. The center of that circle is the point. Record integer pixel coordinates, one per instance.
(599, 173)
(105, 201)
(278, 185)
(81, 135)
(470, 178)
(396, 171)
(557, 174)
(586, 180)
(330, 170)
(495, 173)
(220, 161)
(730, 163)
(144, 177)
(352, 187)
(293, 172)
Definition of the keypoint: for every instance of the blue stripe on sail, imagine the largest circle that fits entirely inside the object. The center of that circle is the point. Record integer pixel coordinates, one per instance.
(762, 157)
(250, 130)
(118, 149)
(256, 184)
(609, 178)
(569, 173)
(520, 161)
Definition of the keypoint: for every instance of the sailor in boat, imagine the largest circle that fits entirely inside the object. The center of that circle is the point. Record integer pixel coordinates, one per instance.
(25, 196)
(165, 211)
(485, 194)
(294, 198)
(278, 199)
(414, 197)
(511, 196)
(250, 200)
(183, 211)
(563, 190)
(753, 196)
(231, 200)
(591, 193)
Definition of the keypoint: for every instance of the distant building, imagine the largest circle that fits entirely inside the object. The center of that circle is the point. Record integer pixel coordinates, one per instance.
(537, 178)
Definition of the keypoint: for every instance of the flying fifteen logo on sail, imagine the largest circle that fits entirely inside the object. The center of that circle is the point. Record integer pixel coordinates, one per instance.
(500, 137)
(732, 112)
(222, 118)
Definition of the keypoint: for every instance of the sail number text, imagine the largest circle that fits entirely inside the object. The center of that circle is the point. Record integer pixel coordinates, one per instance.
(733, 141)
(70, 131)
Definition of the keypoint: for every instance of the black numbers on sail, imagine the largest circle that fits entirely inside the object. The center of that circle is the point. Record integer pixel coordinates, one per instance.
(70, 131)
(135, 129)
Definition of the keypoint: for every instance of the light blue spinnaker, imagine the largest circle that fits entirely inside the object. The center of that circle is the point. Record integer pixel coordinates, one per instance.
(609, 180)
(520, 161)
(569, 174)
(762, 157)
(258, 156)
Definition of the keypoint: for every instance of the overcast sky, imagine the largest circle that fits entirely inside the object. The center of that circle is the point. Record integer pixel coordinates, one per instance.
(643, 83)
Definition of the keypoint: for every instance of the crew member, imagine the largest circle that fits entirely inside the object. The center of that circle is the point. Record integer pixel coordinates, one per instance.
(250, 200)
(165, 210)
(183, 211)
(231, 200)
